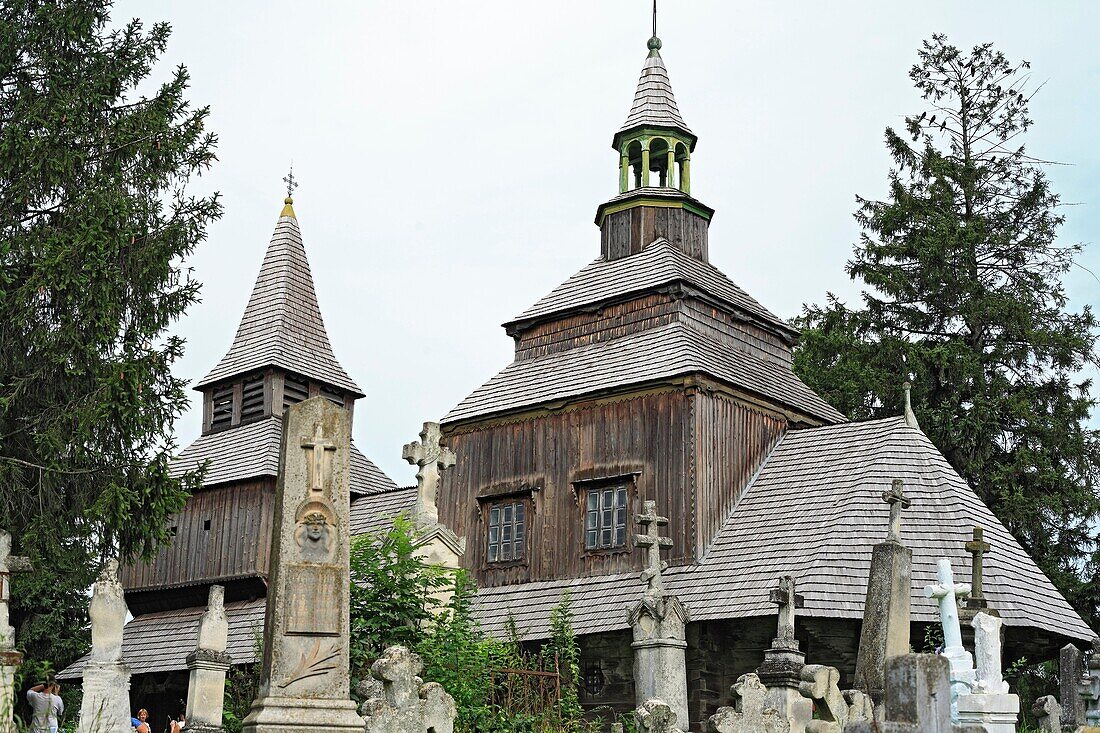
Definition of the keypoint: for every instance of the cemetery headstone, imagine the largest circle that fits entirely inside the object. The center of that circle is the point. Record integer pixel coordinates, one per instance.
(885, 630)
(396, 700)
(989, 703)
(752, 713)
(208, 665)
(655, 716)
(105, 705)
(1070, 669)
(781, 669)
(304, 683)
(947, 592)
(917, 698)
(835, 709)
(1048, 714)
(10, 658)
(1089, 685)
(658, 622)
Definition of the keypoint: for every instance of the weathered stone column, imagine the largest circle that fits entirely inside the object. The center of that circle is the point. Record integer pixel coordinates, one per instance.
(918, 698)
(885, 631)
(1070, 669)
(658, 622)
(208, 665)
(304, 685)
(1088, 687)
(990, 704)
(10, 659)
(781, 669)
(106, 702)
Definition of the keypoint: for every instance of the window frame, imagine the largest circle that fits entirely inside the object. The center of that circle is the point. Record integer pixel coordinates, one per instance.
(517, 503)
(584, 489)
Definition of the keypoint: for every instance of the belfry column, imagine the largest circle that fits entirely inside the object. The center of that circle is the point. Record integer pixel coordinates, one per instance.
(658, 621)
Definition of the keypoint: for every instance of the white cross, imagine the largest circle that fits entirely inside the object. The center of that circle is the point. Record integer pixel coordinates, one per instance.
(431, 459)
(650, 522)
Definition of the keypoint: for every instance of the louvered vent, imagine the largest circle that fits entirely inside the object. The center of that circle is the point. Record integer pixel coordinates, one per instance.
(333, 395)
(294, 391)
(222, 414)
(252, 399)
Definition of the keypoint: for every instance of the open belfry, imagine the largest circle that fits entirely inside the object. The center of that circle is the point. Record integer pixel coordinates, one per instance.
(649, 453)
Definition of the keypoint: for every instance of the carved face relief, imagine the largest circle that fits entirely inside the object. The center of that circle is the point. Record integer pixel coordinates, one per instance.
(315, 536)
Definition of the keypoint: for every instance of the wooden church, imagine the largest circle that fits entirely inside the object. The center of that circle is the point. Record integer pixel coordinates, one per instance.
(648, 375)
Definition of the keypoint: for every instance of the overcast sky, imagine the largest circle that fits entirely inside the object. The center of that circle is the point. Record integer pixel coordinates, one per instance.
(452, 154)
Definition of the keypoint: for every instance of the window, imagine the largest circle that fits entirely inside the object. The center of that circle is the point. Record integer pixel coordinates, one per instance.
(507, 530)
(605, 517)
(221, 415)
(295, 390)
(252, 399)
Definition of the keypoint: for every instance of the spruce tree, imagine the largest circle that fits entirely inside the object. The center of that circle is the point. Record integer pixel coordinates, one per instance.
(964, 296)
(96, 223)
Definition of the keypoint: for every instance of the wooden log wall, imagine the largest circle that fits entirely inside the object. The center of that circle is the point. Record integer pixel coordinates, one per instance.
(628, 232)
(646, 435)
(237, 542)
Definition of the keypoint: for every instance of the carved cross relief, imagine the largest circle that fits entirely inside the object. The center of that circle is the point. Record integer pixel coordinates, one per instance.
(320, 464)
(651, 523)
(431, 459)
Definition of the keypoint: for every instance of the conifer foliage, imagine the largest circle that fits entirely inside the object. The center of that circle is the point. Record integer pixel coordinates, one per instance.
(96, 222)
(965, 296)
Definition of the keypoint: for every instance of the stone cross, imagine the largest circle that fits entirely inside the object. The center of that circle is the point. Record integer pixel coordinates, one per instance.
(651, 523)
(788, 601)
(1048, 713)
(319, 468)
(977, 547)
(9, 564)
(834, 708)
(431, 459)
(654, 716)
(397, 701)
(752, 714)
(960, 660)
(897, 500)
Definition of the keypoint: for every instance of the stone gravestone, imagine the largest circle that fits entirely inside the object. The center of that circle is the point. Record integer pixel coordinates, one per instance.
(1089, 686)
(917, 698)
(658, 622)
(396, 700)
(781, 669)
(106, 702)
(752, 714)
(989, 704)
(885, 629)
(946, 591)
(10, 659)
(208, 665)
(654, 716)
(1048, 714)
(834, 708)
(1070, 668)
(435, 542)
(304, 683)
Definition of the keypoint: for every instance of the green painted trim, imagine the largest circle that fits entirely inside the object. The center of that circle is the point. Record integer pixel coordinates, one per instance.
(661, 203)
(639, 133)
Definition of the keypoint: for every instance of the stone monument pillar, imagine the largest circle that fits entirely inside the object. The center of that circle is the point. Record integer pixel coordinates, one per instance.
(658, 621)
(885, 631)
(1088, 687)
(208, 665)
(304, 685)
(989, 704)
(106, 702)
(10, 659)
(435, 542)
(781, 669)
(1070, 668)
(961, 662)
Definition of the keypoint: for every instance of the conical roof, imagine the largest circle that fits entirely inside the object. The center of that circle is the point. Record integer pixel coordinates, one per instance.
(654, 103)
(282, 324)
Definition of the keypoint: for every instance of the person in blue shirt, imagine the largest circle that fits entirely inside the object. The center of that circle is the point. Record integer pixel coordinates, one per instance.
(139, 723)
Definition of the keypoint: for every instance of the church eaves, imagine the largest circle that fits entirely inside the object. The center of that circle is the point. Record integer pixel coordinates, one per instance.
(282, 325)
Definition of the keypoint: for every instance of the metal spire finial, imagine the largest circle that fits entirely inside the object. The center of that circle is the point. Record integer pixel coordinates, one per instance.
(654, 18)
(654, 42)
(291, 184)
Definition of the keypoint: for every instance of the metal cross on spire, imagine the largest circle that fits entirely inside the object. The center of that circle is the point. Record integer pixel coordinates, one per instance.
(290, 182)
(650, 523)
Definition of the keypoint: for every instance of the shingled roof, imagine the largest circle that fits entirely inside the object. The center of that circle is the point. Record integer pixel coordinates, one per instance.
(658, 353)
(814, 511)
(282, 324)
(654, 103)
(660, 263)
(252, 450)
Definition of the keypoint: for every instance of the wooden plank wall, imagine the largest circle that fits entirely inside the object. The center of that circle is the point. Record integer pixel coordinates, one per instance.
(620, 319)
(732, 440)
(649, 434)
(237, 543)
(628, 232)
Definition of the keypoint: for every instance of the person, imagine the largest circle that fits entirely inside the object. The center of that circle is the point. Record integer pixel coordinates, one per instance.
(176, 726)
(140, 723)
(46, 707)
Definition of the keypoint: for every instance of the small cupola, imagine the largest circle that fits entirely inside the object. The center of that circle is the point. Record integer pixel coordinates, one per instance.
(655, 147)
